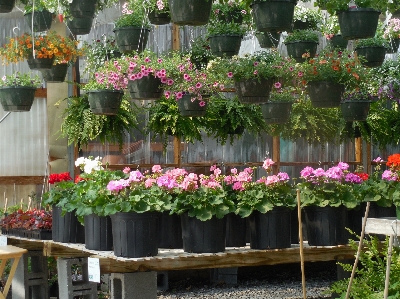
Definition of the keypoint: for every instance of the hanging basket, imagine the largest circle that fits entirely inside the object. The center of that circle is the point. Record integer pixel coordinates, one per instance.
(300, 25)
(337, 41)
(254, 91)
(358, 23)
(159, 18)
(268, 39)
(80, 26)
(355, 110)
(105, 102)
(6, 6)
(325, 94)
(40, 63)
(83, 8)
(296, 49)
(276, 112)
(41, 20)
(374, 56)
(130, 38)
(147, 88)
(273, 15)
(190, 12)
(187, 107)
(17, 98)
(226, 45)
(393, 46)
(56, 74)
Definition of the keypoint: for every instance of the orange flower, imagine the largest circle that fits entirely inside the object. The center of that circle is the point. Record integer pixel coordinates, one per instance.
(37, 43)
(323, 61)
(335, 68)
(29, 46)
(356, 76)
(393, 161)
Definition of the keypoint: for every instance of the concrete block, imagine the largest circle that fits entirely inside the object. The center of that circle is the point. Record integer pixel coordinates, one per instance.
(31, 283)
(224, 275)
(138, 285)
(162, 280)
(73, 282)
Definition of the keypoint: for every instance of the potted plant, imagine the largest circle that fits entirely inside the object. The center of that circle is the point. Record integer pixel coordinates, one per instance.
(231, 11)
(190, 12)
(132, 28)
(267, 203)
(301, 44)
(277, 109)
(80, 125)
(6, 6)
(229, 118)
(392, 34)
(325, 195)
(158, 12)
(38, 16)
(105, 91)
(306, 18)
(355, 104)
(268, 39)
(17, 91)
(200, 52)
(331, 30)
(373, 50)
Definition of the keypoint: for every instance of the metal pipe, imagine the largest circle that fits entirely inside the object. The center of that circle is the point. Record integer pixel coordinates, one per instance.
(4, 117)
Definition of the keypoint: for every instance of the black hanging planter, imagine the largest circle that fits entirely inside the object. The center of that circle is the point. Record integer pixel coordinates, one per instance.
(105, 102)
(159, 18)
(254, 91)
(203, 236)
(17, 98)
(67, 228)
(170, 231)
(226, 45)
(374, 56)
(273, 15)
(358, 23)
(56, 74)
(190, 12)
(98, 232)
(40, 63)
(146, 88)
(393, 45)
(355, 110)
(6, 6)
(296, 49)
(235, 230)
(325, 94)
(276, 112)
(268, 39)
(41, 20)
(83, 8)
(300, 25)
(130, 38)
(80, 26)
(270, 230)
(326, 226)
(337, 41)
(188, 108)
(135, 234)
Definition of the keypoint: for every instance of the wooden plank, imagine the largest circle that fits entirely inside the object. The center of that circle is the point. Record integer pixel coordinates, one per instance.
(385, 226)
(358, 149)
(25, 243)
(63, 250)
(41, 93)
(21, 180)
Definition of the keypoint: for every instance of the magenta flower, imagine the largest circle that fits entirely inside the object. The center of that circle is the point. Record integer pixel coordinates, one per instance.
(230, 75)
(300, 74)
(268, 163)
(277, 85)
(307, 172)
(202, 103)
(126, 170)
(198, 85)
(156, 169)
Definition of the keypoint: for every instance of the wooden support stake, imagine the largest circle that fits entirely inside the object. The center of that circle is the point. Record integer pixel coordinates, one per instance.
(30, 204)
(22, 202)
(303, 276)
(276, 153)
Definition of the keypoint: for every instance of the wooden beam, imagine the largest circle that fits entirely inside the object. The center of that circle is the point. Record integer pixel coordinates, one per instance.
(21, 180)
(176, 40)
(358, 149)
(41, 93)
(177, 151)
(63, 250)
(25, 243)
(276, 153)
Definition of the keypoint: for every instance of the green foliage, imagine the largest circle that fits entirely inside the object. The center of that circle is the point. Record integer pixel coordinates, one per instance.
(312, 16)
(302, 35)
(134, 16)
(334, 6)
(19, 79)
(377, 41)
(200, 52)
(60, 192)
(80, 125)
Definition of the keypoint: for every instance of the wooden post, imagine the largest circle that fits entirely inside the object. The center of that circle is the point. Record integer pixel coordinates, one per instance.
(276, 153)
(176, 40)
(358, 149)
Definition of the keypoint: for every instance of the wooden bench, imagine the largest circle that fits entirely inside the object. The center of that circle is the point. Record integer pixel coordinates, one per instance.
(9, 252)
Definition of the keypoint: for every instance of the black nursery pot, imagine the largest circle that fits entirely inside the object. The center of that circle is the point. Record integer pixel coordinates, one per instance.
(67, 228)
(98, 233)
(170, 231)
(235, 230)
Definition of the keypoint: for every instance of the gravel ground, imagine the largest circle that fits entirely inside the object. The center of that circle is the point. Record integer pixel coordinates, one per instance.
(280, 281)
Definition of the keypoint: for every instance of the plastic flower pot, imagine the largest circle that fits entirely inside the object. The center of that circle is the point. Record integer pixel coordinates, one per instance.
(105, 102)
(187, 107)
(355, 110)
(374, 56)
(146, 88)
(273, 15)
(325, 94)
(57, 73)
(235, 230)
(159, 18)
(276, 112)
(190, 12)
(17, 98)
(66, 228)
(6, 6)
(393, 45)
(83, 8)
(170, 231)
(130, 38)
(40, 63)
(226, 45)
(98, 232)
(268, 39)
(337, 41)
(296, 49)
(300, 25)
(80, 26)
(254, 91)
(358, 23)
(41, 20)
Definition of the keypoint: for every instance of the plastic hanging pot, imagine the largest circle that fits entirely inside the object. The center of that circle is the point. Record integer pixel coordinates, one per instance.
(147, 88)
(159, 18)
(187, 107)
(268, 39)
(273, 15)
(226, 45)
(276, 112)
(56, 74)
(17, 98)
(325, 94)
(41, 20)
(355, 110)
(40, 63)
(83, 8)
(337, 41)
(296, 49)
(358, 23)
(253, 91)
(80, 26)
(98, 232)
(190, 12)
(130, 38)
(393, 45)
(300, 25)
(105, 102)
(6, 6)
(374, 56)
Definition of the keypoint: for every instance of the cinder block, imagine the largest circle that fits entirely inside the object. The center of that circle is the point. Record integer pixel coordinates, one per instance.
(224, 275)
(80, 286)
(31, 284)
(138, 285)
(162, 280)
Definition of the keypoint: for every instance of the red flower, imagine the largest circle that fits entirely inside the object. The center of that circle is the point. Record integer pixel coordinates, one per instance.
(362, 175)
(78, 178)
(393, 161)
(59, 177)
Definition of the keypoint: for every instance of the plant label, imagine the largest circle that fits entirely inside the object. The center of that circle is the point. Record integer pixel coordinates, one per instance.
(3, 241)
(94, 269)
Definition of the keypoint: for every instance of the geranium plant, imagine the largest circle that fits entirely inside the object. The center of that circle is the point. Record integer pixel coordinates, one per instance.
(61, 188)
(19, 79)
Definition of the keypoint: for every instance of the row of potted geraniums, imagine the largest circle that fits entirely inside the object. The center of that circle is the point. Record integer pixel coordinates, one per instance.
(17, 91)
(301, 44)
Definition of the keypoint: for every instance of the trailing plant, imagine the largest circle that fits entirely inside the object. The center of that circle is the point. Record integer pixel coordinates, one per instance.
(39, 6)
(377, 41)
(225, 19)
(108, 77)
(282, 94)
(80, 125)
(302, 35)
(133, 14)
(362, 94)
(19, 79)
(200, 52)
(330, 27)
(335, 6)
(313, 17)
(392, 29)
